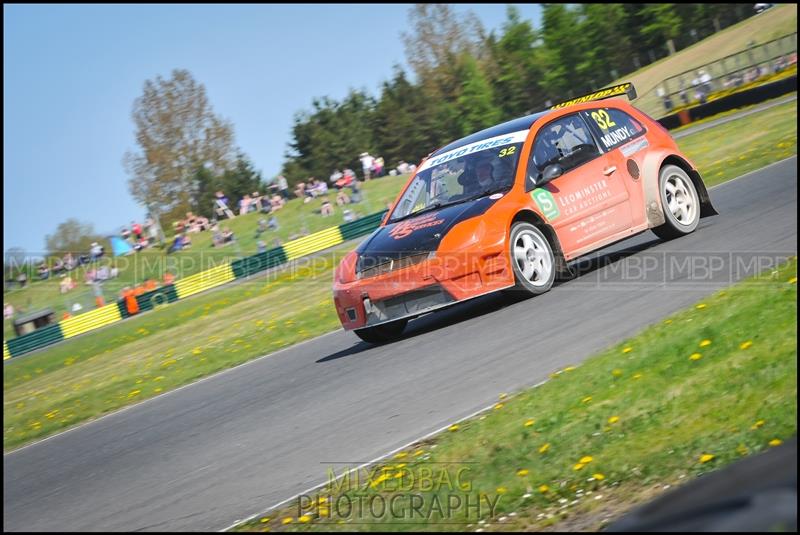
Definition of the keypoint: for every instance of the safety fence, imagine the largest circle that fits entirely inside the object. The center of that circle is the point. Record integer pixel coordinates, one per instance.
(192, 285)
(743, 70)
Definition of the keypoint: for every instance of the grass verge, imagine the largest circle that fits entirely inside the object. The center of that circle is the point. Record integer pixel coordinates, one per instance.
(124, 363)
(689, 395)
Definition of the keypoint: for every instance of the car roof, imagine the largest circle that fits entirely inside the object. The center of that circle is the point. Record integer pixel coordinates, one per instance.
(515, 125)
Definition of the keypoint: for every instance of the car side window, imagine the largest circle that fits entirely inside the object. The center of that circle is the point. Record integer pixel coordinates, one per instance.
(614, 126)
(566, 141)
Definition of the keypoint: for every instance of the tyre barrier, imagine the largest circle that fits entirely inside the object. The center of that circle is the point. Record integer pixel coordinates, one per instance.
(191, 285)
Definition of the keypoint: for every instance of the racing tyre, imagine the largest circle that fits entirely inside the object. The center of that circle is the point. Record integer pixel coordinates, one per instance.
(532, 259)
(679, 201)
(381, 334)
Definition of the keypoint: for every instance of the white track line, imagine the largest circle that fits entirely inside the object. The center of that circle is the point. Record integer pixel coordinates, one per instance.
(379, 458)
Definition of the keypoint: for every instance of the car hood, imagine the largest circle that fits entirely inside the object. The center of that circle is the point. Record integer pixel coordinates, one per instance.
(418, 235)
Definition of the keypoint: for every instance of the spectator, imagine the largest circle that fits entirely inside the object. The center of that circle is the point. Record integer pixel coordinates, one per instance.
(283, 187)
(67, 284)
(327, 208)
(136, 228)
(103, 273)
(366, 164)
(342, 198)
(262, 247)
(216, 239)
(349, 216)
(273, 223)
(356, 196)
(91, 276)
(349, 176)
(152, 230)
(227, 236)
(336, 176)
(44, 272)
(377, 167)
(114, 272)
(255, 202)
(178, 243)
(262, 227)
(96, 251)
(277, 202)
(221, 206)
(8, 311)
(244, 204)
(59, 268)
(69, 262)
(22, 279)
(126, 234)
(300, 190)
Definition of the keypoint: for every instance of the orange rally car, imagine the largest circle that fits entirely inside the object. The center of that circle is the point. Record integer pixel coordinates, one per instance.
(508, 207)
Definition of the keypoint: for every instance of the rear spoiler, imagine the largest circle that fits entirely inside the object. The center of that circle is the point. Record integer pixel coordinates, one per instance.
(614, 91)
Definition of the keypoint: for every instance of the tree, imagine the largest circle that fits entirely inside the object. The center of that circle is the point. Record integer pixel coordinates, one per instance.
(475, 103)
(601, 54)
(72, 236)
(514, 68)
(562, 51)
(178, 133)
(439, 38)
(661, 23)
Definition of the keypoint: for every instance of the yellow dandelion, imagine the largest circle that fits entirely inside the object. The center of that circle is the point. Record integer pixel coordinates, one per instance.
(157, 390)
(530, 422)
(578, 466)
(616, 373)
(637, 375)
(498, 406)
(522, 472)
(742, 449)
(501, 490)
(265, 520)
(134, 393)
(793, 280)
(706, 457)
(287, 520)
(400, 455)
(544, 448)
(587, 399)
(586, 460)
(695, 356)
(304, 519)
(599, 477)
(502, 396)
(667, 322)
(418, 453)
(705, 343)
(775, 442)
(569, 368)
(196, 351)
(453, 427)
(613, 419)
(701, 306)
(745, 345)
(627, 350)
(543, 488)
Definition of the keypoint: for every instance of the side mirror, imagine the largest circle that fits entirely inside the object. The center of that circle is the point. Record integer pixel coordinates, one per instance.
(550, 172)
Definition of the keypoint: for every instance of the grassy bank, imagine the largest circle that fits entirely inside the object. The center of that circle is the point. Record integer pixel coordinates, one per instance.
(686, 396)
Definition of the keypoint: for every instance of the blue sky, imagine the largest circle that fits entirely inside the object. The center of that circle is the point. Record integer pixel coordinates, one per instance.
(71, 74)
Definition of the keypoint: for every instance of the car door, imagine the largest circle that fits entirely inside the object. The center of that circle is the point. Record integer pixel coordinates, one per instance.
(585, 202)
(624, 139)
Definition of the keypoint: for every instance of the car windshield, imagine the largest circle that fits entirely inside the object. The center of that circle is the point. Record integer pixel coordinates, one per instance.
(451, 179)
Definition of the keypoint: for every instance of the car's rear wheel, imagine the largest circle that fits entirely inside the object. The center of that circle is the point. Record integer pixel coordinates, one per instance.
(679, 201)
(381, 334)
(532, 259)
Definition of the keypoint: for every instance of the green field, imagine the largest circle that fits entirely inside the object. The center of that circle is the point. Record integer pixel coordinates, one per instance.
(121, 364)
(686, 396)
(773, 23)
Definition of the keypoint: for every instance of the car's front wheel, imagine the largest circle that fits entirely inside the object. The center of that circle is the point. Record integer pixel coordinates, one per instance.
(532, 259)
(679, 201)
(381, 334)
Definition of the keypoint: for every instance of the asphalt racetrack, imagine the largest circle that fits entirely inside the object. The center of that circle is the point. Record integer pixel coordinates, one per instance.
(230, 446)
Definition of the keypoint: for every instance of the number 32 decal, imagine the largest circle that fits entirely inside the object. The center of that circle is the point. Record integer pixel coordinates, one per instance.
(602, 119)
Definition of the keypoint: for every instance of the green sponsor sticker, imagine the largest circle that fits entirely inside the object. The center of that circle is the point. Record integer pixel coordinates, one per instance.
(546, 203)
